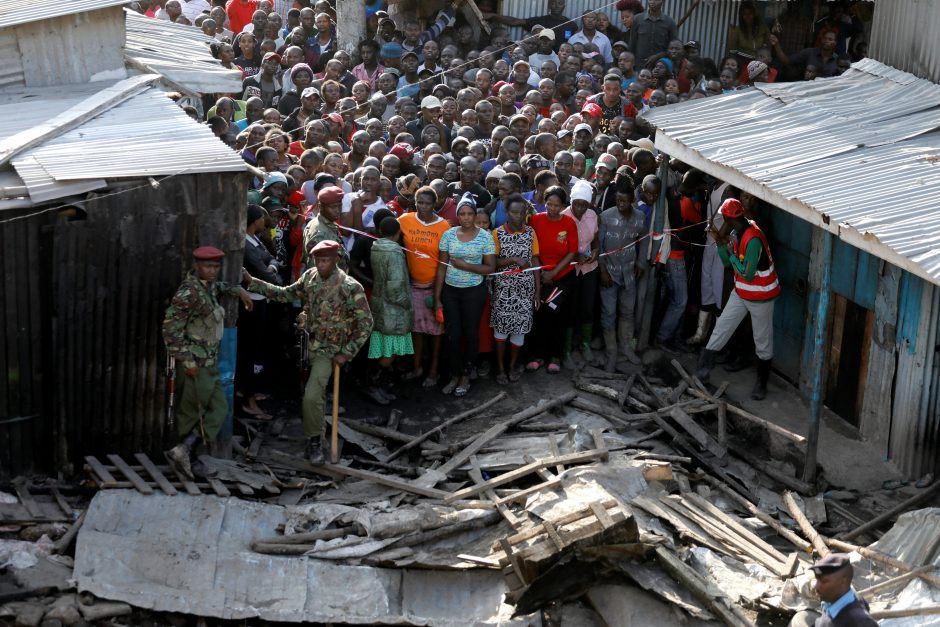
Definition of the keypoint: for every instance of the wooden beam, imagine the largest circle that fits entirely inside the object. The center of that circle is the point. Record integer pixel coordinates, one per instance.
(805, 526)
(879, 520)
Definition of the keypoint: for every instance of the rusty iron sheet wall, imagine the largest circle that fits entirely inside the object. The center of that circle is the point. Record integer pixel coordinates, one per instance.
(83, 307)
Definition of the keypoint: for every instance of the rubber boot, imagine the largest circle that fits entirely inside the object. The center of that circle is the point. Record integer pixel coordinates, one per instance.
(625, 340)
(760, 386)
(587, 330)
(610, 350)
(706, 361)
(179, 455)
(315, 452)
(567, 359)
(701, 331)
(737, 363)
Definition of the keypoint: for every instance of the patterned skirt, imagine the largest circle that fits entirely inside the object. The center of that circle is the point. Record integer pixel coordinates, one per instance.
(381, 345)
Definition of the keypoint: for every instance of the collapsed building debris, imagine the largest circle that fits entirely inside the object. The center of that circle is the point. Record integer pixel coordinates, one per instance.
(621, 488)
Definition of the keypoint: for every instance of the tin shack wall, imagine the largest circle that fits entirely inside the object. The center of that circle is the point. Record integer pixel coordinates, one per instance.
(83, 307)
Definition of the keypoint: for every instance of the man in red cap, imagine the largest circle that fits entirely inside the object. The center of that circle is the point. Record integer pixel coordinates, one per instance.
(338, 322)
(324, 226)
(743, 246)
(192, 330)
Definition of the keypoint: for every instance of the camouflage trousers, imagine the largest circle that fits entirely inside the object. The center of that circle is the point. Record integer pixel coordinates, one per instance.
(201, 394)
(314, 403)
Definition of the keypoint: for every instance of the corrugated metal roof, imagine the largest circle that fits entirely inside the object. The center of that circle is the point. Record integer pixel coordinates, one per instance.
(152, 135)
(22, 109)
(858, 155)
(13, 12)
(904, 35)
(180, 53)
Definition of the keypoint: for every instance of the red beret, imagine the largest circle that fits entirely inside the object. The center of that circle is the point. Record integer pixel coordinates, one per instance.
(326, 248)
(329, 195)
(402, 150)
(208, 253)
(592, 109)
(732, 208)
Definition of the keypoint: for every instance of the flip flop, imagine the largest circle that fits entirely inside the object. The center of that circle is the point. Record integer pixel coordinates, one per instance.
(515, 374)
(462, 390)
(554, 368)
(534, 365)
(502, 379)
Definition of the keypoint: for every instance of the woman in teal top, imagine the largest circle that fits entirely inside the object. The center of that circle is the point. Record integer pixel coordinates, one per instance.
(460, 291)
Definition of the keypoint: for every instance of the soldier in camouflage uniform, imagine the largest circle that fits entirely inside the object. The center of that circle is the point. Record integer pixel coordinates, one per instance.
(338, 321)
(192, 330)
(323, 227)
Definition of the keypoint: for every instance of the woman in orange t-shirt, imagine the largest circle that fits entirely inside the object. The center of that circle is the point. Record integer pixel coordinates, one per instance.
(421, 232)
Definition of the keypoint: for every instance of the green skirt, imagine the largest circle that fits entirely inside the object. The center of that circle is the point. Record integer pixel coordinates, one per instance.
(381, 345)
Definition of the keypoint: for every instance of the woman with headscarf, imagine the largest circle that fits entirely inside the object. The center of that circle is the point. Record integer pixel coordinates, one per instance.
(585, 273)
(300, 76)
(467, 254)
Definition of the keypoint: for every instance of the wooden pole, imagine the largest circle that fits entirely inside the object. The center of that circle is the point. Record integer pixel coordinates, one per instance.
(896, 581)
(912, 611)
(334, 436)
(881, 558)
(877, 521)
(805, 526)
(818, 358)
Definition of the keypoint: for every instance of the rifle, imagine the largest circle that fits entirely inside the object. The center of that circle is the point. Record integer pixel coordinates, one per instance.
(171, 391)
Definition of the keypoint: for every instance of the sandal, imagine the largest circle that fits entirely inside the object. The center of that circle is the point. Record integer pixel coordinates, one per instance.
(414, 374)
(554, 368)
(502, 379)
(515, 374)
(447, 389)
(462, 390)
(534, 365)
(429, 382)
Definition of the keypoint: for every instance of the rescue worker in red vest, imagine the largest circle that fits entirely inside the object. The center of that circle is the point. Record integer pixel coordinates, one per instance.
(743, 246)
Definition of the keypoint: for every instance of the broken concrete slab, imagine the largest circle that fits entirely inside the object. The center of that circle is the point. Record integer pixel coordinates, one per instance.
(191, 554)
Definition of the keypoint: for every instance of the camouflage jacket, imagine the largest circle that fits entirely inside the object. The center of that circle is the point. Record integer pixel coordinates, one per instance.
(338, 316)
(192, 328)
(317, 231)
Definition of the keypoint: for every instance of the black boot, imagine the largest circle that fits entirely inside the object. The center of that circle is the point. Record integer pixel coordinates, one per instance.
(706, 361)
(760, 386)
(179, 455)
(737, 363)
(314, 452)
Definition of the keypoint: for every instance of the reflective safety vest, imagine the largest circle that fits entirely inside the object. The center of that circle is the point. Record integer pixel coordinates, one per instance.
(764, 285)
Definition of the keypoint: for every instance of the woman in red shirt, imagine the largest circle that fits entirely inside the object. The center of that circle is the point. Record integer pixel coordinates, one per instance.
(558, 245)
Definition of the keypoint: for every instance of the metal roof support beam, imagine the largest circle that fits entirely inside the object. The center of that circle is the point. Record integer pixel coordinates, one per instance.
(818, 356)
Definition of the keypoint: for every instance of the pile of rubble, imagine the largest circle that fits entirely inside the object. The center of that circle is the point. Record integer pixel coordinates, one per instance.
(623, 501)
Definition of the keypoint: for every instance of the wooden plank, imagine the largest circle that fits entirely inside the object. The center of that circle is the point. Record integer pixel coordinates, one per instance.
(27, 500)
(602, 516)
(723, 423)
(255, 446)
(98, 469)
(188, 485)
(553, 535)
(154, 472)
(551, 484)
(218, 487)
(67, 509)
(439, 428)
(716, 601)
(527, 534)
(522, 471)
(477, 476)
(598, 436)
(513, 560)
(142, 486)
(805, 526)
(736, 526)
(770, 426)
(497, 430)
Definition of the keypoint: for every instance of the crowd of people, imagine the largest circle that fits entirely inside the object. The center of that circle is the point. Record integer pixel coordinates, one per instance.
(459, 204)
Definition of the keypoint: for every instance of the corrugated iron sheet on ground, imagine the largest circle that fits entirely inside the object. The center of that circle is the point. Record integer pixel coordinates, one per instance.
(180, 53)
(857, 154)
(13, 12)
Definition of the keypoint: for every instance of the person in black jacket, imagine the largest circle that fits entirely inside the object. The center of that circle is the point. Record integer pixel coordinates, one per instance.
(249, 362)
